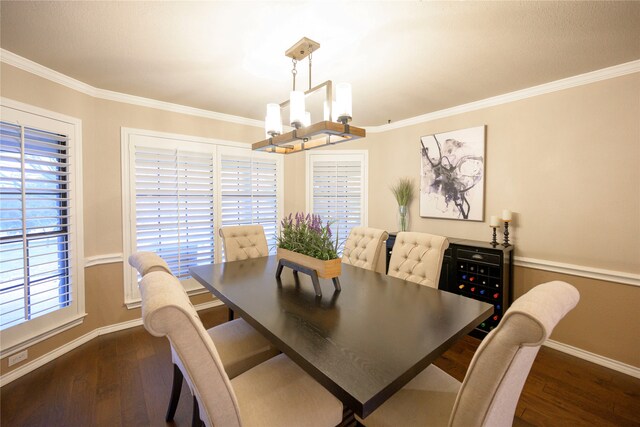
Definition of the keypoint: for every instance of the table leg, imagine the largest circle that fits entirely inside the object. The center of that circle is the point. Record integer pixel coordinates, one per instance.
(336, 283)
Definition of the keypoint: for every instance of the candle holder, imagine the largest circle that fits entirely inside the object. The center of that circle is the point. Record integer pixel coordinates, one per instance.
(494, 242)
(506, 233)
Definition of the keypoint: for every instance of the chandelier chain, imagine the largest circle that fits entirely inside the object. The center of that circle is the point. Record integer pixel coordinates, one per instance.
(310, 57)
(294, 72)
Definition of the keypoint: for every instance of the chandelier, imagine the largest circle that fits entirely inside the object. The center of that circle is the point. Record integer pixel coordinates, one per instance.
(333, 129)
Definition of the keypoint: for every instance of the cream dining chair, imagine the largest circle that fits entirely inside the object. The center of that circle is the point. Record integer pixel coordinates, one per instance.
(239, 345)
(491, 388)
(274, 393)
(243, 242)
(365, 248)
(417, 257)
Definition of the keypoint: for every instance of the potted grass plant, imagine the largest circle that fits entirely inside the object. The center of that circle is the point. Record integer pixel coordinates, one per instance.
(306, 241)
(403, 192)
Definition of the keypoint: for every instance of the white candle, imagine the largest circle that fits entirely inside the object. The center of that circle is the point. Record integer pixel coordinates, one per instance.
(506, 215)
(495, 222)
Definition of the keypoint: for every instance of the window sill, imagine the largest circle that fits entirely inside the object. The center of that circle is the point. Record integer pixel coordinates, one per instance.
(72, 322)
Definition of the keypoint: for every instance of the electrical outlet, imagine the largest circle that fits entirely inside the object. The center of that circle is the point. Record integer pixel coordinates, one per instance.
(18, 357)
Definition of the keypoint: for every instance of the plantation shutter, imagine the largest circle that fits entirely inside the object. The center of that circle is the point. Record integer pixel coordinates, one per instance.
(248, 187)
(35, 232)
(337, 192)
(174, 197)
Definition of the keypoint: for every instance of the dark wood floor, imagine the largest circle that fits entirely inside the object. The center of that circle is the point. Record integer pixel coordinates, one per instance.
(124, 378)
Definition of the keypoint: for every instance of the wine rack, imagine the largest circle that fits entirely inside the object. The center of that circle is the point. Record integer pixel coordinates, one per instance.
(476, 270)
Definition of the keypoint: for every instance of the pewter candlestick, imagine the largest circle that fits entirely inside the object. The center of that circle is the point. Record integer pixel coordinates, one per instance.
(506, 233)
(493, 240)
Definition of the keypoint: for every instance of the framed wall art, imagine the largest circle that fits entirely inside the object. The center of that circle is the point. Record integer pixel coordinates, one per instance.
(452, 174)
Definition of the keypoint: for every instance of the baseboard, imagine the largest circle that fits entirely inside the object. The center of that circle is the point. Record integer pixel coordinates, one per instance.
(45, 358)
(594, 358)
(71, 345)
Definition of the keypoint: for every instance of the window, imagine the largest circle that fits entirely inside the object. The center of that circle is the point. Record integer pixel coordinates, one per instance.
(248, 186)
(337, 189)
(174, 207)
(41, 274)
(179, 190)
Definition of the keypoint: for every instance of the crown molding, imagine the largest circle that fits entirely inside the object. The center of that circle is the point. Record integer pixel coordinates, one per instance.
(29, 66)
(558, 85)
(25, 64)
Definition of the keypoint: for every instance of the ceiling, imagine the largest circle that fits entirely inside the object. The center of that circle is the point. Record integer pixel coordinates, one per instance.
(403, 59)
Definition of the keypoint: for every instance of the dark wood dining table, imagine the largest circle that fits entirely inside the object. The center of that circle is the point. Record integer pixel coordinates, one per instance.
(363, 343)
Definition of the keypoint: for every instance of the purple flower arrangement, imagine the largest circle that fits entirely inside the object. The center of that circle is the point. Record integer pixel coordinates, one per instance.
(307, 235)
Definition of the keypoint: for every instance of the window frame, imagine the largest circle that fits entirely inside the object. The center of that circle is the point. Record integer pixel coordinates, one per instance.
(18, 337)
(129, 138)
(338, 155)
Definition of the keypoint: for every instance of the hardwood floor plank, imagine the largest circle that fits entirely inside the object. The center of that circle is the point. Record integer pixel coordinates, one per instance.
(107, 409)
(58, 393)
(132, 404)
(124, 379)
(83, 387)
(550, 411)
(152, 380)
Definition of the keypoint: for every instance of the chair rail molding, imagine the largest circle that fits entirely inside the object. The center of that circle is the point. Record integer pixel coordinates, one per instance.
(621, 277)
(90, 261)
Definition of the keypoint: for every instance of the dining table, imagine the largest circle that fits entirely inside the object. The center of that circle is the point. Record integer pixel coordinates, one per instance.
(364, 342)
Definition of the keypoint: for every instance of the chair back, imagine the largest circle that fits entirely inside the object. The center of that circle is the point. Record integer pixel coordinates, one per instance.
(364, 248)
(417, 257)
(167, 311)
(499, 368)
(147, 262)
(244, 242)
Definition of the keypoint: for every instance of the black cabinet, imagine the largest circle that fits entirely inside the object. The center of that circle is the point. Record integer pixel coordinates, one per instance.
(476, 270)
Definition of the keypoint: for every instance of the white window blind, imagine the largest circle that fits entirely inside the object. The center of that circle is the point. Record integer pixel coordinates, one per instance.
(178, 191)
(35, 233)
(337, 189)
(174, 206)
(249, 193)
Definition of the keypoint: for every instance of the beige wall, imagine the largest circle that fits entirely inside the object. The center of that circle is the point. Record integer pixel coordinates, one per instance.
(564, 162)
(567, 164)
(102, 194)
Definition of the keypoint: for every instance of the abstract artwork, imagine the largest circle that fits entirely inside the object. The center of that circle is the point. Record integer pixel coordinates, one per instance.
(452, 174)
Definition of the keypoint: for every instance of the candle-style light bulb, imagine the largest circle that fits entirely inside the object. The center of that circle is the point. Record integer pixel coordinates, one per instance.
(273, 121)
(343, 102)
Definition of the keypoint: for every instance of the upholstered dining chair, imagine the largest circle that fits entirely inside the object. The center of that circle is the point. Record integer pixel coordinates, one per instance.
(491, 388)
(240, 347)
(244, 242)
(274, 393)
(364, 248)
(417, 257)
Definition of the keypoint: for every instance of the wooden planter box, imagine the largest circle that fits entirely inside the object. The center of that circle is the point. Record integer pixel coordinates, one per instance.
(326, 269)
